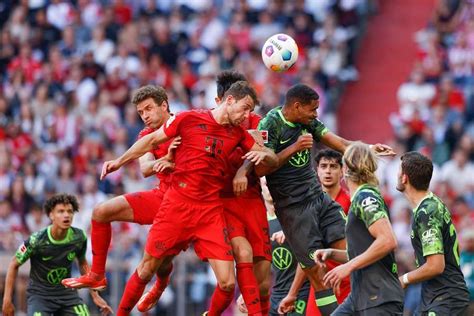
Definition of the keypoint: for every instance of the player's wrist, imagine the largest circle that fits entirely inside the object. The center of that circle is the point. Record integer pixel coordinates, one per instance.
(405, 279)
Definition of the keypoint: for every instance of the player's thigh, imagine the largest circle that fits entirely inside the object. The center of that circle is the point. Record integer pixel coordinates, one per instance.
(115, 209)
(76, 310)
(446, 309)
(144, 206)
(332, 220)
(38, 306)
(387, 309)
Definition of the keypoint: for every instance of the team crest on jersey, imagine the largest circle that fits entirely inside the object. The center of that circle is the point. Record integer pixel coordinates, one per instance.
(300, 159)
(170, 120)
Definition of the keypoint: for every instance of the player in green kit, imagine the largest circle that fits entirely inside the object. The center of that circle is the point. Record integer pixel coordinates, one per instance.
(51, 252)
(310, 219)
(434, 239)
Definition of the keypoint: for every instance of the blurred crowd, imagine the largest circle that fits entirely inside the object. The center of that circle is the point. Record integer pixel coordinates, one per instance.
(436, 117)
(67, 70)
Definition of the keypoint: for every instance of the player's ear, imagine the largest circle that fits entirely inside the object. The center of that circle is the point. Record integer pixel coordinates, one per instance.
(217, 100)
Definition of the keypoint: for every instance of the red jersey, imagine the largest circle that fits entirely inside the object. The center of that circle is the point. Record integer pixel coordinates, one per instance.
(235, 162)
(159, 152)
(202, 157)
(344, 200)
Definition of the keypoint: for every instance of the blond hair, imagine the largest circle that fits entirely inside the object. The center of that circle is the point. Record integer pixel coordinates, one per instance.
(361, 164)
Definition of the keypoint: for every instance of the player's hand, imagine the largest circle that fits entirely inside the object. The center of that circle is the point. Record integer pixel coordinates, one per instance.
(321, 255)
(241, 305)
(279, 237)
(8, 309)
(382, 150)
(334, 277)
(287, 305)
(104, 308)
(109, 167)
(304, 141)
(174, 144)
(162, 164)
(255, 156)
(239, 183)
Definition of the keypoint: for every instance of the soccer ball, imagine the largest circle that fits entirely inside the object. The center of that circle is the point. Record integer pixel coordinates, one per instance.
(279, 52)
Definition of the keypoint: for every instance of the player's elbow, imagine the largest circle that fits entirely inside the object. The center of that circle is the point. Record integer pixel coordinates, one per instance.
(435, 268)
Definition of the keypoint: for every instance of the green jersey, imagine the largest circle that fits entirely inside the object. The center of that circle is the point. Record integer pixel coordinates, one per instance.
(296, 180)
(51, 260)
(377, 283)
(433, 233)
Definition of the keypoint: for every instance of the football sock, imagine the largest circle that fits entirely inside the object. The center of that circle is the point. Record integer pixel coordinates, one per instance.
(132, 293)
(249, 288)
(101, 234)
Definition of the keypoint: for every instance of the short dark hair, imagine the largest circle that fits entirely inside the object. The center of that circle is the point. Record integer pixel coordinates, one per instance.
(157, 93)
(240, 90)
(63, 198)
(300, 93)
(225, 79)
(418, 168)
(330, 155)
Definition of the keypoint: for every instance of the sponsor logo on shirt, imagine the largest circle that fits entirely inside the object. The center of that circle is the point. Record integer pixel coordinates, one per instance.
(370, 204)
(282, 258)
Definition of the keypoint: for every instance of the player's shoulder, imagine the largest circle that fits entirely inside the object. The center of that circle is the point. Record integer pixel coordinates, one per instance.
(368, 197)
(271, 118)
(430, 206)
(36, 238)
(78, 234)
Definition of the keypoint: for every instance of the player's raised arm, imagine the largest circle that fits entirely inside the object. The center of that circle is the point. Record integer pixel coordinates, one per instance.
(138, 149)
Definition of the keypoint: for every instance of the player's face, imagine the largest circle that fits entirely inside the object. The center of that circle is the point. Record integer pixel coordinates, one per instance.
(401, 180)
(61, 216)
(152, 114)
(239, 111)
(307, 112)
(329, 172)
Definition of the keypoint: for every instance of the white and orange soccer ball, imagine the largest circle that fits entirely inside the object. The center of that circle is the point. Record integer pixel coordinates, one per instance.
(279, 52)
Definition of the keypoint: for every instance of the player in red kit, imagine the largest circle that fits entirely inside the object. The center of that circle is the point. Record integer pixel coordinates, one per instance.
(329, 169)
(191, 211)
(140, 207)
(246, 219)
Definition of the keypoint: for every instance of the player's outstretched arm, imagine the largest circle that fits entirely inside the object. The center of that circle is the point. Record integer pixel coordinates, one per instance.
(340, 144)
(259, 153)
(138, 149)
(8, 309)
(321, 255)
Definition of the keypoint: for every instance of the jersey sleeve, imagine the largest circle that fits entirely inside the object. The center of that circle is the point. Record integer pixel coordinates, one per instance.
(318, 129)
(173, 125)
(371, 208)
(429, 229)
(26, 249)
(268, 127)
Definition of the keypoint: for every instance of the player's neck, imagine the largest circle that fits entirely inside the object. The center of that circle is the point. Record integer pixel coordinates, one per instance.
(414, 196)
(288, 114)
(58, 233)
(332, 191)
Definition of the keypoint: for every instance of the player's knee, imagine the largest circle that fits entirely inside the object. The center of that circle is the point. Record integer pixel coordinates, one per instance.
(264, 286)
(227, 285)
(243, 254)
(99, 213)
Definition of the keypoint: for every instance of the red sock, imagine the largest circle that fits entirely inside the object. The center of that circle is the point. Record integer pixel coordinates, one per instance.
(248, 287)
(101, 234)
(265, 304)
(163, 278)
(220, 301)
(132, 293)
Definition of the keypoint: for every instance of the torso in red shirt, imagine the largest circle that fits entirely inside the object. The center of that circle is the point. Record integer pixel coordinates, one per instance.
(234, 163)
(203, 155)
(344, 200)
(158, 152)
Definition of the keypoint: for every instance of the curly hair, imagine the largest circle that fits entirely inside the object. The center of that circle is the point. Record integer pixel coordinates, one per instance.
(157, 93)
(63, 198)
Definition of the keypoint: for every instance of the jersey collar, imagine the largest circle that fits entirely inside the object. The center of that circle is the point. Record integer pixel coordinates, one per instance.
(291, 124)
(63, 241)
(429, 195)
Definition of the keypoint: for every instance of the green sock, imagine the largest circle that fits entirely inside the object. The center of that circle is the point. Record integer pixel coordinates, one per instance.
(326, 301)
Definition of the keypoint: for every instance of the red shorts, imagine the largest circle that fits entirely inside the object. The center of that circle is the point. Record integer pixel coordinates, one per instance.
(247, 217)
(145, 205)
(181, 221)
